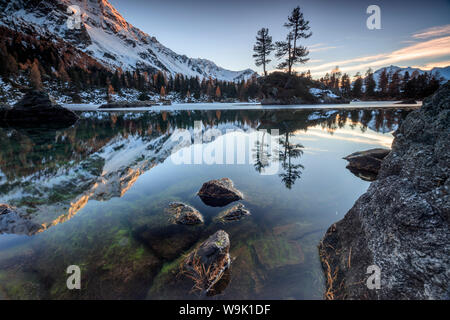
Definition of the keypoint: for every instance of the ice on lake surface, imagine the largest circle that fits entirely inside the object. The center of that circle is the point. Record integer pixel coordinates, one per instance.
(98, 192)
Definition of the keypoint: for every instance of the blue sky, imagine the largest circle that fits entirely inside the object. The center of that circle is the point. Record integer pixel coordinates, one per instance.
(413, 33)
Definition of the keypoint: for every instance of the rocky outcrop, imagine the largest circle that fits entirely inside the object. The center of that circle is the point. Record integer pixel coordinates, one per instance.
(219, 193)
(280, 88)
(235, 213)
(37, 109)
(185, 214)
(207, 264)
(12, 222)
(366, 164)
(401, 224)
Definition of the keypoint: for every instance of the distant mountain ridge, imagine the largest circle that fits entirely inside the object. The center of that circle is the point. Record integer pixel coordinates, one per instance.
(107, 37)
(438, 72)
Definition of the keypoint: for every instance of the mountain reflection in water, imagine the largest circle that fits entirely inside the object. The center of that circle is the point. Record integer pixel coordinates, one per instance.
(114, 171)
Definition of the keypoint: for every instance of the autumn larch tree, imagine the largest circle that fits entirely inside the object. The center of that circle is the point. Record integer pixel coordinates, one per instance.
(263, 48)
(35, 76)
(218, 93)
(294, 53)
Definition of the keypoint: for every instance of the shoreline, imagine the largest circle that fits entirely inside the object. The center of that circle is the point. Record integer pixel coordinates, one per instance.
(369, 105)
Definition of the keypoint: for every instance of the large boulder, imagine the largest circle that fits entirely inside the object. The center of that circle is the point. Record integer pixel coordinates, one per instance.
(219, 193)
(366, 164)
(207, 264)
(185, 214)
(401, 224)
(37, 109)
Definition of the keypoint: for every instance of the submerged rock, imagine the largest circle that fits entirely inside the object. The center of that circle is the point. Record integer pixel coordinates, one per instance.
(13, 222)
(366, 164)
(236, 212)
(401, 224)
(37, 109)
(185, 214)
(219, 193)
(207, 264)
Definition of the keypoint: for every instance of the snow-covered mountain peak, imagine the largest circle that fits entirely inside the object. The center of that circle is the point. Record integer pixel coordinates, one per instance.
(101, 31)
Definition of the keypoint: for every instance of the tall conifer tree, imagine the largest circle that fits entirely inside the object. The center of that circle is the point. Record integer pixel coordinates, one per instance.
(263, 48)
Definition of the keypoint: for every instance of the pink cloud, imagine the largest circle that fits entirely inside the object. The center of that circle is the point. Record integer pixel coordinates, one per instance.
(439, 47)
(433, 32)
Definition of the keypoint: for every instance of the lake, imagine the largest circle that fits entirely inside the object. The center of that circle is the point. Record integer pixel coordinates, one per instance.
(97, 192)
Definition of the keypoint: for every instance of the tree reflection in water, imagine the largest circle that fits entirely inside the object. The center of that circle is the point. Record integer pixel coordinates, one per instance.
(288, 152)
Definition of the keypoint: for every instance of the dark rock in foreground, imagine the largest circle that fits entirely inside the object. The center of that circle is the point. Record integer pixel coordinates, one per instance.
(12, 222)
(401, 224)
(207, 264)
(366, 164)
(185, 214)
(37, 109)
(219, 193)
(236, 212)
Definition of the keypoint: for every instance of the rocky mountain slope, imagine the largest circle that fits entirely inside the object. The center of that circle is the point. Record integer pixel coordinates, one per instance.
(97, 28)
(401, 224)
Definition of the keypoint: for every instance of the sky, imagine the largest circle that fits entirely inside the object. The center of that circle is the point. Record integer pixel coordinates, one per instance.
(413, 33)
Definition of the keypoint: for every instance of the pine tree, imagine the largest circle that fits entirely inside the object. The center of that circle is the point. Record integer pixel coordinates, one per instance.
(370, 83)
(263, 48)
(394, 85)
(345, 84)
(357, 86)
(335, 78)
(284, 50)
(404, 86)
(326, 79)
(383, 83)
(162, 93)
(298, 28)
(308, 75)
(115, 81)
